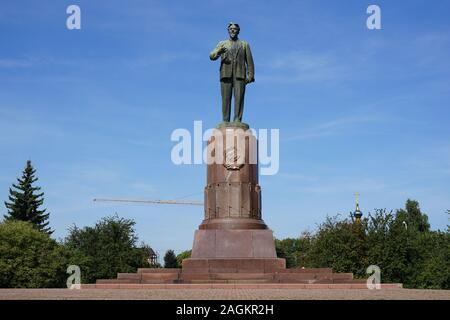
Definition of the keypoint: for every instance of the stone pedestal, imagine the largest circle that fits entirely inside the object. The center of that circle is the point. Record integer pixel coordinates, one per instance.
(232, 192)
(233, 244)
(233, 227)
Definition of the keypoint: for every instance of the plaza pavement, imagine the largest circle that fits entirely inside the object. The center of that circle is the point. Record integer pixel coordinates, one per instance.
(223, 294)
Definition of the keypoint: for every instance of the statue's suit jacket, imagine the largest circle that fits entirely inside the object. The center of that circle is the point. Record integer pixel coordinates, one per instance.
(241, 65)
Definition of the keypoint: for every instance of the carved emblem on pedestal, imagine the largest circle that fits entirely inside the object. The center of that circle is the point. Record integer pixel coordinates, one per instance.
(233, 160)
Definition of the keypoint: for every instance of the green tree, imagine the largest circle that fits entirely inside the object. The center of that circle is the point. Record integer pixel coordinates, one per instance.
(391, 246)
(341, 245)
(413, 216)
(25, 202)
(31, 259)
(289, 249)
(170, 260)
(433, 269)
(400, 243)
(183, 255)
(110, 246)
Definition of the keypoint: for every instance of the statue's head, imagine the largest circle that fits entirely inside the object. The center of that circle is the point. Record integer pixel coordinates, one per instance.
(233, 30)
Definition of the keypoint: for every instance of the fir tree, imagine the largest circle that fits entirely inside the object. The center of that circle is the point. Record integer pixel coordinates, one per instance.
(170, 259)
(25, 202)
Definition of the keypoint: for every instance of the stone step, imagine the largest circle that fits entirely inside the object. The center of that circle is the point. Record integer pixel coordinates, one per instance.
(242, 276)
(159, 276)
(235, 270)
(116, 281)
(225, 270)
(203, 281)
(234, 265)
(195, 270)
(349, 281)
(345, 276)
(159, 270)
(133, 276)
(284, 277)
(174, 277)
(159, 281)
(241, 281)
(227, 276)
(306, 270)
(384, 286)
(256, 270)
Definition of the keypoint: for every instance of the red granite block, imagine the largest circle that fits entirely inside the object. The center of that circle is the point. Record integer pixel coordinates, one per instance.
(116, 281)
(317, 286)
(159, 270)
(153, 286)
(292, 286)
(324, 277)
(107, 286)
(251, 271)
(252, 264)
(263, 244)
(345, 276)
(156, 281)
(133, 276)
(223, 264)
(286, 277)
(306, 270)
(223, 270)
(233, 243)
(195, 270)
(210, 281)
(195, 263)
(391, 286)
(159, 276)
(242, 276)
(130, 286)
(204, 244)
(271, 265)
(353, 281)
(340, 286)
(195, 276)
(358, 286)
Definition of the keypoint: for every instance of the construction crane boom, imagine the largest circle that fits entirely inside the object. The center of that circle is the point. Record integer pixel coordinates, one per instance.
(192, 202)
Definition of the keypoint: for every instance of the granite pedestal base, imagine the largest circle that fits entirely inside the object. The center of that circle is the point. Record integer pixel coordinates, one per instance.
(226, 244)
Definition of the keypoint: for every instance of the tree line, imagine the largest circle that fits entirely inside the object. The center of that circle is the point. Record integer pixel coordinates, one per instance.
(401, 243)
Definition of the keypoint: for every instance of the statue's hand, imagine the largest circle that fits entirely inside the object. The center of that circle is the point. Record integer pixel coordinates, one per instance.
(223, 49)
(249, 80)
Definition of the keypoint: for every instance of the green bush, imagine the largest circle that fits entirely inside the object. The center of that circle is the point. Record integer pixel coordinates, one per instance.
(110, 247)
(29, 258)
(170, 260)
(183, 255)
(400, 243)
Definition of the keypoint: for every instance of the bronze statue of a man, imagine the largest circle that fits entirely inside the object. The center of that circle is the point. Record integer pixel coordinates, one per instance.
(236, 71)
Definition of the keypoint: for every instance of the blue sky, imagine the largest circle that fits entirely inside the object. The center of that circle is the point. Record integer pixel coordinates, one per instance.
(358, 110)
